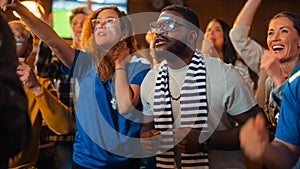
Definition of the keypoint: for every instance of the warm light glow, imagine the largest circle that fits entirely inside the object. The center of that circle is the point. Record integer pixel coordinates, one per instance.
(33, 7)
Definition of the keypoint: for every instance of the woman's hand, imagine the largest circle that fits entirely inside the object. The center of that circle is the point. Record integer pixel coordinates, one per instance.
(122, 55)
(271, 65)
(208, 48)
(28, 77)
(9, 4)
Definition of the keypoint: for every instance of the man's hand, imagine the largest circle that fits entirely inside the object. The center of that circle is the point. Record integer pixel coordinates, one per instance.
(150, 141)
(254, 137)
(187, 139)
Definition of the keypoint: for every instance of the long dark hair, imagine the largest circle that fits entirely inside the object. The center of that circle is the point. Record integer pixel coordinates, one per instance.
(229, 52)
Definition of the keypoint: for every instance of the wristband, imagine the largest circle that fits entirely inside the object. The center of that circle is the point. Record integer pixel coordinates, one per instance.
(120, 68)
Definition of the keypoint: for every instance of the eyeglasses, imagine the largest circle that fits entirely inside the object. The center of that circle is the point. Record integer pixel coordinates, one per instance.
(165, 25)
(108, 22)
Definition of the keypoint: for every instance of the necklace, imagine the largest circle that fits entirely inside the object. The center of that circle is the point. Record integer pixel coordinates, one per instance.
(173, 98)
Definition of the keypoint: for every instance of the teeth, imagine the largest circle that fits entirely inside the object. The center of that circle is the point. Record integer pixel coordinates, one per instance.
(18, 42)
(159, 43)
(277, 47)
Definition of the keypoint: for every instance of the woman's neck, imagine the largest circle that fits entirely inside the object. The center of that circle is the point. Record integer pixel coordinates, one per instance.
(76, 45)
(288, 66)
(220, 53)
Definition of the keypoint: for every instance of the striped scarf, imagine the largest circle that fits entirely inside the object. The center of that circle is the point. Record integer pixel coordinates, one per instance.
(193, 106)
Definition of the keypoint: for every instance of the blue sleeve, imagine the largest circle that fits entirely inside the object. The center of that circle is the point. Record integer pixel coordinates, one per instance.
(139, 77)
(137, 70)
(288, 128)
(82, 65)
(69, 70)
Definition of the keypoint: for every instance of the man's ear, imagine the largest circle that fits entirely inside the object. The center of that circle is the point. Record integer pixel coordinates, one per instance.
(193, 37)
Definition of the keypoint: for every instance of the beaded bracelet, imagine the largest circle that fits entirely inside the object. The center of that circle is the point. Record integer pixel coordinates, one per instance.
(120, 68)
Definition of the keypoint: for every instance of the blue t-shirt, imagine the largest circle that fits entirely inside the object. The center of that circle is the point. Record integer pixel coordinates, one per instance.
(288, 128)
(104, 137)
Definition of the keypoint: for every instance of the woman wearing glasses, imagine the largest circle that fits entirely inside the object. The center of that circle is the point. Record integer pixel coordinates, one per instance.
(108, 79)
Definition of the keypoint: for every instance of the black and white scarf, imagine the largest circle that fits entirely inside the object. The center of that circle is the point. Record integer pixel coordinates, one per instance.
(193, 112)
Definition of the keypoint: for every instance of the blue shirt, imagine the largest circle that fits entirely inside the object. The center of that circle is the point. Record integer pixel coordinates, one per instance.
(104, 137)
(288, 128)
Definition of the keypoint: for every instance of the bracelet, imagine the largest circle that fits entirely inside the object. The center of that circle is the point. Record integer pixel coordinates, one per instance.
(120, 68)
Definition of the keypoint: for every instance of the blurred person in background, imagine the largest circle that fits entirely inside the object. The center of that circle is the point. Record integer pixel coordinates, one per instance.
(43, 103)
(218, 44)
(14, 122)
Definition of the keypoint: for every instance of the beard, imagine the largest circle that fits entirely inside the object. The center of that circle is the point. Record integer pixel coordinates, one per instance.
(174, 52)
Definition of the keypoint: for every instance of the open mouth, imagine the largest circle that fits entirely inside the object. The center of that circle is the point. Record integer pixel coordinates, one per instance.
(277, 48)
(101, 34)
(160, 41)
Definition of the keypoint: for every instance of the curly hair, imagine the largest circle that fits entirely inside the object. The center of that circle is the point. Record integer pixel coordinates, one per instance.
(104, 61)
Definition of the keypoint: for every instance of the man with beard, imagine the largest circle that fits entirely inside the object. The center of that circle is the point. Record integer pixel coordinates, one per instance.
(193, 108)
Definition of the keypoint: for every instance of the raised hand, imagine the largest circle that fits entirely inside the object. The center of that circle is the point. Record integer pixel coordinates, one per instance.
(208, 48)
(28, 77)
(271, 65)
(8, 4)
(121, 54)
(254, 137)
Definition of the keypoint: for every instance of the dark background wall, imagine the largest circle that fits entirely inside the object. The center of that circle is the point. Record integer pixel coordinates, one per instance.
(226, 10)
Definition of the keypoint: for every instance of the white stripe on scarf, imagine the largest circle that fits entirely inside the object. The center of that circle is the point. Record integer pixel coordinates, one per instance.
(193, 105)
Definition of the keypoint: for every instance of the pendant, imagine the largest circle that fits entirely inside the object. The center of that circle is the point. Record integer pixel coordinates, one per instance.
(113, 102)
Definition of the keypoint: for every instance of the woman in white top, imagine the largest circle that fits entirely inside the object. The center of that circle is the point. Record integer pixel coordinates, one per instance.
(218, 44)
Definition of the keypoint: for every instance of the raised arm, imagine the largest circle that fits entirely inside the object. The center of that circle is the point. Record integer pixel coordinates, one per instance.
(249, 50)
(246, 15)
(57, 115)
(126, 100)
(58, 45)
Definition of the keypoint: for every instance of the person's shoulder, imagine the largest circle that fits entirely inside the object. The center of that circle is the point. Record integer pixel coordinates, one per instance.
(152, 73)
(211, 60)
(136, 58)
(81, 52)
(295, 77)
(137, 62)
(213, 64)
(294, 84)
